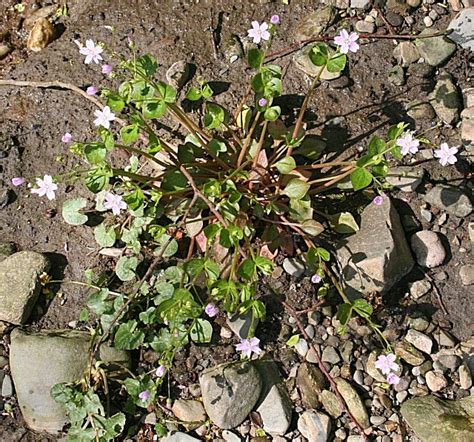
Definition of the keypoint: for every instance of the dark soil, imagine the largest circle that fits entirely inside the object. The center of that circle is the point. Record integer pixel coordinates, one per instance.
(33, 121)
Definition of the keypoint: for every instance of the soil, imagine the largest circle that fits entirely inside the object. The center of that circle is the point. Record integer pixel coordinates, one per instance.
(33, 121)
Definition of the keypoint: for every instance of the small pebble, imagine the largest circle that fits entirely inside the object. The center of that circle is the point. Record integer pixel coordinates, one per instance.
(428, 22)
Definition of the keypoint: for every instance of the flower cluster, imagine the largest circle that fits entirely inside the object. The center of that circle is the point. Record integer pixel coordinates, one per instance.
(260, 32)
(387, 365)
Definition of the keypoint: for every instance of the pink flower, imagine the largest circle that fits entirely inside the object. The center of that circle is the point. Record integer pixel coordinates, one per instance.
(446, 154)
(106, 68)
(407, 143)
(46, 186)
(249, 346)
(104, 117)
(275, 19)
(18, 181)
(315, 279)
(386, 363)
(91, 90)
(262, 102)
(393, 379)
(211, 310)
(347, 42)
(259, 32)
(160, 371)
(144, 395)
(378, 200)
(114, 202)
(92, 52)
(67, 138)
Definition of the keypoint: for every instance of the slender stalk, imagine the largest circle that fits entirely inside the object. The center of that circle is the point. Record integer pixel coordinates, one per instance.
(247, 139)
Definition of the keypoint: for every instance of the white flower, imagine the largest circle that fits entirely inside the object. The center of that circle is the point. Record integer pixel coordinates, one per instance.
(92, 52)
(446, 154)
(46, 186)
(347, 42)
(104, 117)
(259, 32)
(407, 143)
(114, 202)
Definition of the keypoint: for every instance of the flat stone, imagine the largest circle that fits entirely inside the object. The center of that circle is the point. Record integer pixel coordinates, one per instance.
(435, 50)
(465, 378)
(314, 426)
(312, 25)
(7, 386)
(229, 392)
(450, 361)
(435, 381)
(20, 285)
(419, 288)
(331, 403)
(419, 340)
(463, 29)
(396, 75)
(421, 111)
(405, 178)
(330, 355)
(406, 53)
(365, 27)
(466, 273)
(353, 402)
(189, 411)
(467, 130)
(40, 360)
(310, 381)
(428, 248)
(375, 262)
(446, 99)
(178, 74)
(179, 437)
(408, 353)
(302, 347)
(451, 199)
(274, 405)
(360, 4)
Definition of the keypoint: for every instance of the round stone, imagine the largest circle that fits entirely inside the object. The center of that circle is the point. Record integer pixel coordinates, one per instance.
(428, 248)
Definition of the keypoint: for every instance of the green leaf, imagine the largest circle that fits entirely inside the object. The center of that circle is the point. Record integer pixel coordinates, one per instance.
(154, 109)
(171, 247)
(344, 313)
(214, 117)
(318, 54)
(104, 237)
(194, 94)
(129, 134)
(98, 302)
(312, 227)
(98, 178)
(362, 307)
(206, 91)
(147, 65)
(296, 189)
(395, 131)
(135, 199)
(343, 222)
(212, 269)
(336, 63)
(244, 117)
(361, 178)
(201, 331)
(272, 113)
(216, 146)
(247, 269)
(211, 231)
(174, 180)
(323, 254)
(71, 212)
(115, 102)
(167, 92)
(125, 268)
(258, 309)
(149, 316)
(128, 336)
(263, 264)
(95, 153)
(286, 165)
(293, 341)
(376, 146)
(231, 236)
(255, 57)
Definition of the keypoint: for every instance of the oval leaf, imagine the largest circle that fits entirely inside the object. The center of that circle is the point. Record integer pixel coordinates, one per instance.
(71, 212)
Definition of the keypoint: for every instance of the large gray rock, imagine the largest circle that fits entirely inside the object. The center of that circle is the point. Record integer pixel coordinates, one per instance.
(451, 199)
(229, 392)
(446, 99)
(39, 360)
(353, 401)
(374, 262)
(179, 437)
(435, 50)
(314, 426)
(274, 405)
(20, 285)
(435, 420)
(405, 178)
(463, 28)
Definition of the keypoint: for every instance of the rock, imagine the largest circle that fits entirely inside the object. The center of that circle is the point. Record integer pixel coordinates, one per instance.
(20, 285)
(435, 50)
(375, 262)
(414, 3)
(313, 24)
(365, 27)
(406, 53)
(435, 381)
(331, 403)
(428, 248)
(303, 63)
(466, 273)
(179, 437)
(462, 29)
(310, 381)
(41, 35)
(39, 360)
(229, 392)
(302, 347)
(465, 378)
(330, 355)
(5, 49)
(7, 386)
(467, 130)
(428, 21)
(419, 340)
(314, 426)
(444, 339)
(274, 404)
(419, 323)
(353, 401)
(421, 111)
(33, 15)
(419, 288)
(372, 370)
(189, 411)
(396, 75)
(243, 325)
(450, 361)
(360, 4)
(6, 249)
(446, 100)
(178, 74)
(409, 354)
(294, 267)
(405, 178)
(450, 199)
(436, 420)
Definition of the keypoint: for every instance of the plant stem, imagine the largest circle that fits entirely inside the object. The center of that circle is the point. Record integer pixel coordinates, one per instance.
(247, 139)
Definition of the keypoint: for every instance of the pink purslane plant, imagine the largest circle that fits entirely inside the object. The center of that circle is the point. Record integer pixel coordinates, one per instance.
(18, 181)
(408, 143)
(92, 90)
(46, 186)
(249, 346)
(259, 32)
(275, 19)
(160, 371)
(387, 365)
(393, 379)
(106, 68)
(262, 102)
(446, 154)
(67, 138)
(211, 310)
(144, 395)
(114, 202)
(92, 52)
(104, 117)
(316, 279)
(347, 42)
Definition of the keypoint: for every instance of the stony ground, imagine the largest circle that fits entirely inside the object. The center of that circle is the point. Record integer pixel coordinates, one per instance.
(423, 246)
